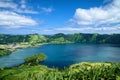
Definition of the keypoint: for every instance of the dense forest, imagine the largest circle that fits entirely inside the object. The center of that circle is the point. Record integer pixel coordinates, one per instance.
(61, 38)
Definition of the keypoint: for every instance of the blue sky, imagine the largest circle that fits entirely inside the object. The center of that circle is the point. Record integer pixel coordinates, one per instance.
(59, 16)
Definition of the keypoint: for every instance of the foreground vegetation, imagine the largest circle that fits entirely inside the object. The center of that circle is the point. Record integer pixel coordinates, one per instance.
(81, 71)
(31, 70)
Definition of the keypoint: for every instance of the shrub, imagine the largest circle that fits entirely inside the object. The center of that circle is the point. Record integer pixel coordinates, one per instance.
(35, 59)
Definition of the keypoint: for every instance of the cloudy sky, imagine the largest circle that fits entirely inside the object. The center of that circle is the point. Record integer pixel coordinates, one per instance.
(59, 16)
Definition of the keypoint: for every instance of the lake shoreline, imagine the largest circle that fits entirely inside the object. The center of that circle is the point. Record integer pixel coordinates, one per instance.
(83, 46)
(13, 47)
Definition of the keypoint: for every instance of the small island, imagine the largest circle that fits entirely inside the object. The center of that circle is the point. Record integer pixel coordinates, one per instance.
(35, 59)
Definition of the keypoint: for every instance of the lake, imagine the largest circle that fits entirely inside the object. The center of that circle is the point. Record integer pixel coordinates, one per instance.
(63, 55)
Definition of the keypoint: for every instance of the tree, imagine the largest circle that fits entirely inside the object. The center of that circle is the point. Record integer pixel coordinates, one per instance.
(35, 59)
(94, 38)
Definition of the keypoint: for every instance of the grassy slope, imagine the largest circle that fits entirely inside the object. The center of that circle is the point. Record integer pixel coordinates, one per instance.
(29, 72)
(81, 71)
(6, 49)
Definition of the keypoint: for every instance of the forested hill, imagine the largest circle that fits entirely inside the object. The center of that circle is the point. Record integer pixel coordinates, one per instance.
(61, 38)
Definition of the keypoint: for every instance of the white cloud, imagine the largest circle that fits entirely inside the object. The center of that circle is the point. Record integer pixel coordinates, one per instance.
(23, 8)
(109, 14)
(107, 1)
(108, 30)
(10, 17)
(47, 9)
(26, 11)
(7, 4)
(88, 29)
(23, 4)
(13, 20)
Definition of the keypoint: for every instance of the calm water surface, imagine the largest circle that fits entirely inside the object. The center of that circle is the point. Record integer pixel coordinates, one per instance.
(63, 55)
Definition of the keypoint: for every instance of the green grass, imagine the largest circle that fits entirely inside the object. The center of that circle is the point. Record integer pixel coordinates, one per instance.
(81, 71)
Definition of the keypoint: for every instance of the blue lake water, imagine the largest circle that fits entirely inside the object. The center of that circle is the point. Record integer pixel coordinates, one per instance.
(63, 55)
